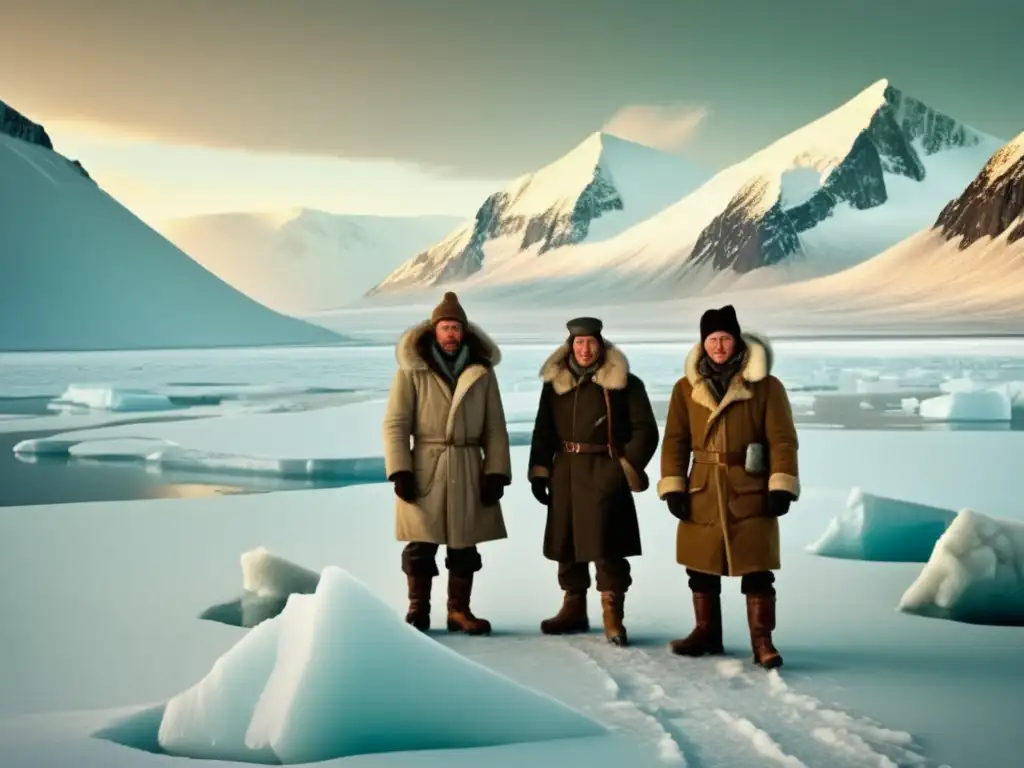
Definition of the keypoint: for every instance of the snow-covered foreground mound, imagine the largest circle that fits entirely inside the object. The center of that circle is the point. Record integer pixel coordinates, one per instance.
(883, 529)
(343, 443)
(975, 574)
(339, 673)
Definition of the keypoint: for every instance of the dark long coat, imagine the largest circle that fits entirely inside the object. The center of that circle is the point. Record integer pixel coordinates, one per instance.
(730, 532)
(591, 514)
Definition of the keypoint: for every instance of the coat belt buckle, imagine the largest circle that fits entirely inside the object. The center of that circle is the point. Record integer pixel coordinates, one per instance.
(572, 447)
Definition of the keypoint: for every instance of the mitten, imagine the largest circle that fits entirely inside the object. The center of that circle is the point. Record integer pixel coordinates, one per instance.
(778, 502)
(541, 491)
(492, 489)
(678, 504)
(405, 485)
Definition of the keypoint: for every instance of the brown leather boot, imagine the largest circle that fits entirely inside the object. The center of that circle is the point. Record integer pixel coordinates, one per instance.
(460, 617)
(612, 612)
(706, 637)
(571, 617)
(761, 618)
(419, 602)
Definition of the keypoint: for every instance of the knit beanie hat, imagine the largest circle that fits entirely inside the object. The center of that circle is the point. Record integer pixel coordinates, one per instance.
(723, 319)
(448, 309)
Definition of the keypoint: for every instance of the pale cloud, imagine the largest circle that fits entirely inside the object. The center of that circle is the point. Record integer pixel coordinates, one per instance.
(663, 126)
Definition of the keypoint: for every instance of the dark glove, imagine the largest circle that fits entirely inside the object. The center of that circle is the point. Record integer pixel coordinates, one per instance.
(678, 504)
(778, 502)
(405, 485)
(492, 489)
(539, 486)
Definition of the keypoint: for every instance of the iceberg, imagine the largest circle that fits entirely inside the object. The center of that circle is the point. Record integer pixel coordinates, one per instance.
(968, 405)
(267, 581)
(115, 399)
(267, 575)
(975, 574)
(339, 673)
(883, 529)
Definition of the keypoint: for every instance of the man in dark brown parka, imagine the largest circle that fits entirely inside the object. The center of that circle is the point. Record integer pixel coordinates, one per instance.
(594, 435)
(729, 502)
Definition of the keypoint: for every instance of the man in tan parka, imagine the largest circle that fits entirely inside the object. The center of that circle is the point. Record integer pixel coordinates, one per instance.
(449, 480)
(733, 417)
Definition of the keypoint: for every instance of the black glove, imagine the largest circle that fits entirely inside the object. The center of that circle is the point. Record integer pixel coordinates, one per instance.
(405, 485)
(541, 492)
(778, 503)
(492, 489)
(678, 504)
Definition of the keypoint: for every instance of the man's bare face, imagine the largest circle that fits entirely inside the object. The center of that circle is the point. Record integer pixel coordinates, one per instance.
(449, 335)
(720, 346)
(585, 349)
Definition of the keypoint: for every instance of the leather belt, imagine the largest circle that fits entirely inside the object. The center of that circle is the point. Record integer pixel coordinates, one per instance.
(726, 458)
(473, 443)
(568, 447)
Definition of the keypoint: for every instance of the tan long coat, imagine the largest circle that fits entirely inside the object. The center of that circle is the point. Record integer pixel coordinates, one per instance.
(457, 437)
(729, 532)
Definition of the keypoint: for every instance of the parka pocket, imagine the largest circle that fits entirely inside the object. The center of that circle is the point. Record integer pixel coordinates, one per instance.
(425, 462)
(703, 497)
(748, 494)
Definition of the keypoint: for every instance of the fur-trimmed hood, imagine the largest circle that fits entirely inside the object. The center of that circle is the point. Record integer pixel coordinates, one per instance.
(760, 358)
(410, 357)
(613, 373)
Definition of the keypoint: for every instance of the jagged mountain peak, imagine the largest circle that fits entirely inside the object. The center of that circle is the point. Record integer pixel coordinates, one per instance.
(847, 158)
(600, 187)
(992, 205)
(1006, 161)
(16, 125)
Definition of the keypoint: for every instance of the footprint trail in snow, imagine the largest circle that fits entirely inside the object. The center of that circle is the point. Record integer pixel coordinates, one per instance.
(711, 713)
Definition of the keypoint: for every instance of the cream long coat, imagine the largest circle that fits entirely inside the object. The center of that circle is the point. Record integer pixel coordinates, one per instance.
(449, 440)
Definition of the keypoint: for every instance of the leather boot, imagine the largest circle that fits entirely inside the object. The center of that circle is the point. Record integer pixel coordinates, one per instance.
(706, 637)
(612, 612)
(419, 602)
(571, 617)
(460, 617)
(761, 618)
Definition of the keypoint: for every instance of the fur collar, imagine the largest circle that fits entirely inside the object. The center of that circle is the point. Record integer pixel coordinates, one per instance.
(760, 358)
(756, 368)
(613, 373)
(407, 351)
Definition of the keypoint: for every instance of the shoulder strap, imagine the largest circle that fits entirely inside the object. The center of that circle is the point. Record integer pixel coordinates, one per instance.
(611, 437)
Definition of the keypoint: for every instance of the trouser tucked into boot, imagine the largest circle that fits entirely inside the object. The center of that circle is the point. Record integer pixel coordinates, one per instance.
(706, 588)
(613, 576)
(419, 563)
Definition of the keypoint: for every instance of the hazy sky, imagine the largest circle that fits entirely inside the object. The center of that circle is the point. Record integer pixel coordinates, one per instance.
(406, 106)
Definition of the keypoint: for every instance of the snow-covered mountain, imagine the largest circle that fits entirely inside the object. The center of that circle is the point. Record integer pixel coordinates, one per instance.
(600, 188)
(13, 123)
(961, 273)
(79, 271)
(993, 204)
(964, 272)
(827, 196)
(303, 261)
